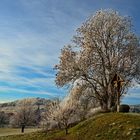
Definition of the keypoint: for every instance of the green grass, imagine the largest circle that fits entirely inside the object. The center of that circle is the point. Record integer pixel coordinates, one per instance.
(108, 126)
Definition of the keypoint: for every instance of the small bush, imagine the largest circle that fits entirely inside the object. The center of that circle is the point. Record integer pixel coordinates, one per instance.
(124, 108)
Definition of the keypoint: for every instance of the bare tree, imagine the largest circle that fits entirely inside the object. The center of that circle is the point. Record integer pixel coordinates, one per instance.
(82, 99)
(67, 111)
(105, 45)
(4, 119)
(61, 113)
(52, 110)
(24, 115)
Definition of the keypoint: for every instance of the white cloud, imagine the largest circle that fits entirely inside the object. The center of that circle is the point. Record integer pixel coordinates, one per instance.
(3, 88)
(30, 53)
(32, 39)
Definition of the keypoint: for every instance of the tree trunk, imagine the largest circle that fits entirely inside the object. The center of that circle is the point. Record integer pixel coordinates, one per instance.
(108, 101)
(112, 102)
(66, 130)
(22, 128)
(104, 106)
(59, 125)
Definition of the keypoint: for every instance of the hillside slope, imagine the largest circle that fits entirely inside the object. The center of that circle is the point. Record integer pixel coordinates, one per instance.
(11, 107)
(109, 126)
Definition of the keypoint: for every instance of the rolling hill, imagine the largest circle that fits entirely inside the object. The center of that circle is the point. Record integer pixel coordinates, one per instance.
(10, 107)
(107, 126)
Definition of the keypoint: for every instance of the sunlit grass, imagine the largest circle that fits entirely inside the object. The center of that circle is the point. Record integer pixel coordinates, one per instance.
(108, 126)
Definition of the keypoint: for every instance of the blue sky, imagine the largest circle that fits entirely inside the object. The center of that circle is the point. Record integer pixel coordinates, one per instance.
(32, 32)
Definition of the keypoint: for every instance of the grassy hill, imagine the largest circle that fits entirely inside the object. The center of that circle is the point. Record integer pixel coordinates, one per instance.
(108, 126)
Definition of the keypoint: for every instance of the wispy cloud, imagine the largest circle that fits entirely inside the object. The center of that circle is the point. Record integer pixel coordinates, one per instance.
(32, 32)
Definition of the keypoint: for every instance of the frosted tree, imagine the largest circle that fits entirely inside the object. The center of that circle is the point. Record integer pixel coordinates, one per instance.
(61, 113)
(82, 99)
(104, 45)
(24, 115)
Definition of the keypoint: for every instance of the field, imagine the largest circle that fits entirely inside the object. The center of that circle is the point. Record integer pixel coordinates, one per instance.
(15, 131)
(108, 126)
